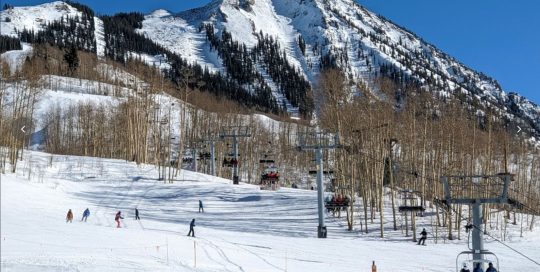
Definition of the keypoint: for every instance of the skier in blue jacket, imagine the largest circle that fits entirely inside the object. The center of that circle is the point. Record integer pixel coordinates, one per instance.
(85, 215)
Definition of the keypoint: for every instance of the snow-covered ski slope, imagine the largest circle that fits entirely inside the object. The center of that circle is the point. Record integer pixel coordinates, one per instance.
(242, 229)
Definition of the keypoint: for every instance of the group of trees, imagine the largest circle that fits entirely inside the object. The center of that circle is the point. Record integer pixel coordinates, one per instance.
(241, 67)
(19, 93)
(8, 43)
(67, 32)
(390, 148)
(242, 64)
(122, 41)
(289, 79)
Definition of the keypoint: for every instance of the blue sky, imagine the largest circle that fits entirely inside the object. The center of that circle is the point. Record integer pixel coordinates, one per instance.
(499, 38)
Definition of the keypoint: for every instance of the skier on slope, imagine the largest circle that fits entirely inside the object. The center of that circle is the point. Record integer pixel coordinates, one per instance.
(117, 218)
(137, 214)
(85, 215)
(201, 208)
(423, 238)
(191, 230)
(69, 216)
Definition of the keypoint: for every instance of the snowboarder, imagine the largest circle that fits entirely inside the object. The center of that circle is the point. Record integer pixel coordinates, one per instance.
(137, 214)
(201, 208)
(117, 218)
(85, 215)
(491, 268)
(465, 268)
(423, 238)
(69, 216)
(478, 268)
(191, 226)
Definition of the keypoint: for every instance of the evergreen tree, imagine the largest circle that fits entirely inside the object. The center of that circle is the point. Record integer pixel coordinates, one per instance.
(72, 59)
(9, 43)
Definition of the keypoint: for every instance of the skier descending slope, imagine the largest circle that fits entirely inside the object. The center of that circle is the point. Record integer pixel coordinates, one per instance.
(117, 218)
(69, 216)
(423, 238)
(191, 230)
(85, 215)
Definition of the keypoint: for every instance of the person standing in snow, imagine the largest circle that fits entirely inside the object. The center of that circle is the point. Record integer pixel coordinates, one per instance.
(191, 230)
(117, 218)
(69, 216)
(85, 215)
(423, 238)
(201, 208)
(137, 214)
(491, 268)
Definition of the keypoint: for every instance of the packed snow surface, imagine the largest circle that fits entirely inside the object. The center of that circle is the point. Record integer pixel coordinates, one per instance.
(242, 228)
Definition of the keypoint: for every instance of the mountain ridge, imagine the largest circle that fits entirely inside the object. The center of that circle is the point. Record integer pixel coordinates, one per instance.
(315, 34)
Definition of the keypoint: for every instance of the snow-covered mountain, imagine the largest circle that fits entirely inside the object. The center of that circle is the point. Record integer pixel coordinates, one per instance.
(304, 36)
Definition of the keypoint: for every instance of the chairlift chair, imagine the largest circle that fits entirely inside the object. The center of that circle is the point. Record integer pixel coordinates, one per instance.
(409, 202)
(270, 179)
(204, 155)
(267, 158)
(229, 162)
(471, 262)
(337, 205)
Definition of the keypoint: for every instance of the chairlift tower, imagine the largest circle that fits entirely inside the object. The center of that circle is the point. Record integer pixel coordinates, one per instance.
(163, 153)
(235, 132)
(477, 190)
(318, 141)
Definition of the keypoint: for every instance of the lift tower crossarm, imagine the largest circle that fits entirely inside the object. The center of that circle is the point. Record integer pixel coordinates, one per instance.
(476, 190)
